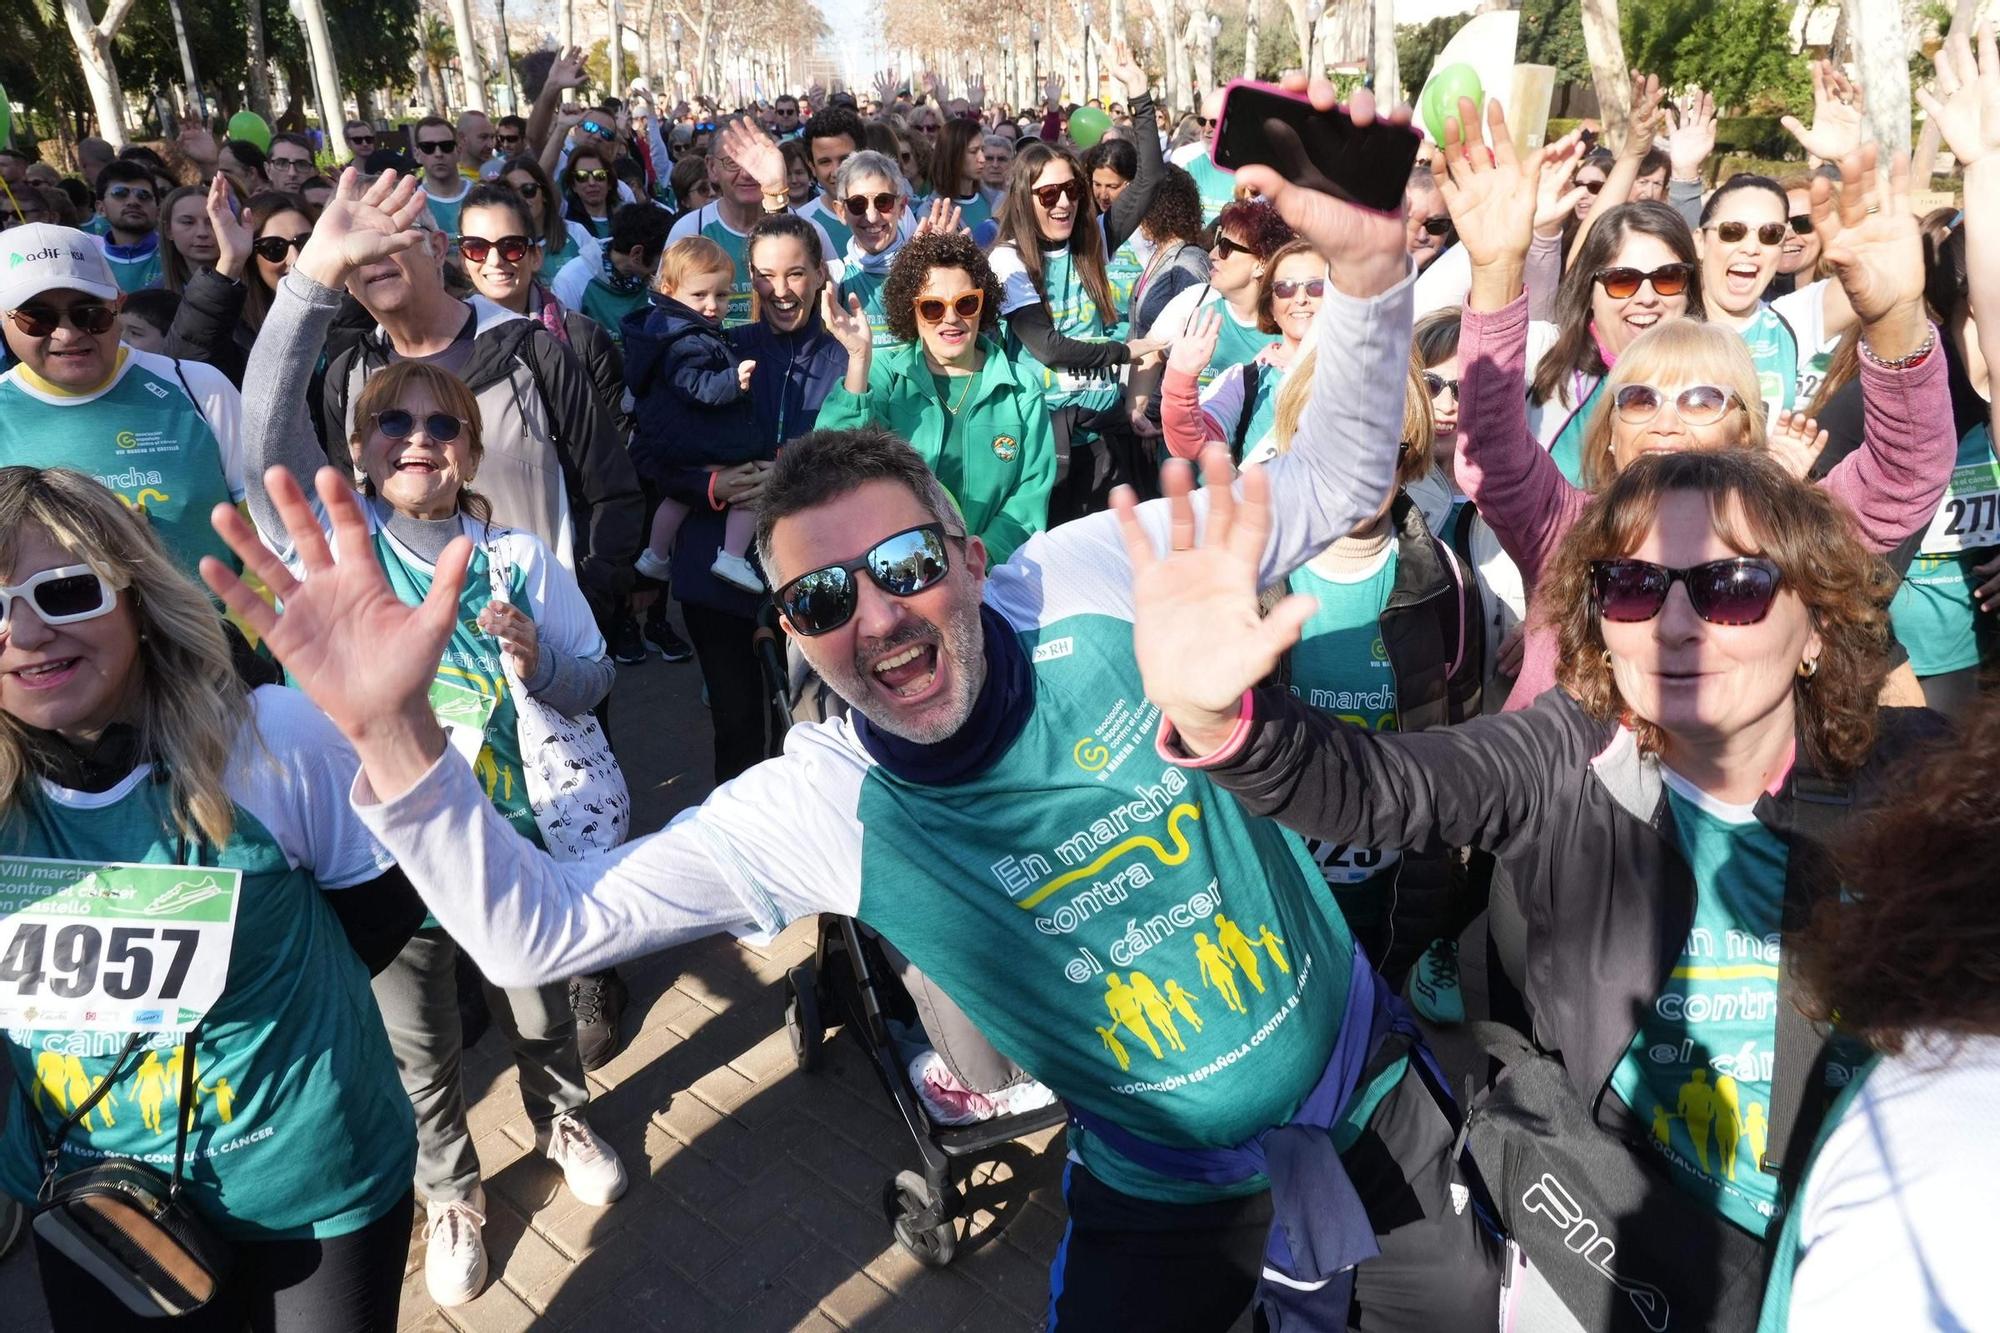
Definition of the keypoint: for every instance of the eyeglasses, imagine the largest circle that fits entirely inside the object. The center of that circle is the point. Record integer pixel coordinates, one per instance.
(1667, 280)
(1438, 226)
(1801, 223)
(289, 163)
(966, 305)
(902, 565)
(857, 205)
(39, 321)
(429, 146)
(595, 175)
(513, 249)
(1224, 247)
(1437, 384)
(271, 249)
(60, 596)
(1696, 405)
(601, 131)
(1286, 288)
(398, 424)
(1049, 195)
(527, 189)
(143, 193)
(1736, 591)
(1729, 233)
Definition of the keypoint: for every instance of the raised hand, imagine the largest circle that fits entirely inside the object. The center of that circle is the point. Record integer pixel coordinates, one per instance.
(197, 145)
(361, 655)
(1052, 92)
(940, 219)
(757, 153)
(1557, 195)
(848, 324)
(886, 84)
(1869, 236)
(1492, 195)
(566, 70)
(1131, 75)
(1644, 127)
(1692, 137)
(744, 370)
(1196, 627)
(816, 95)
(568, 117)
(1796, 441)
(1965, 104)
(1193, 350)
(1364, 247)
(975, 93)
(232, 234)
(1837, 108)
(360, 227)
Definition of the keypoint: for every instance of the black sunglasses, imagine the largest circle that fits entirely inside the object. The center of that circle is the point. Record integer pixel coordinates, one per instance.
(39, 321)
(528, 190)
(1667, 280)
(1436, 384)
(361, 138)
(1592, 187)
(513, 249)
(1224, 247)
(271, 249)
(143, 193)
(902, 565)
(399, 424)
(1736, 591)
(428, 146)
(1801, 224)
(1438, 226)
(1768, 233)
(856, 205)
(506, 138)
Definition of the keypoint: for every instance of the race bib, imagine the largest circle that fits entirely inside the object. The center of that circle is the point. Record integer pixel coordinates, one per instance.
(463, 712)
(1969, 517)
(110, 947)
(1342, 864)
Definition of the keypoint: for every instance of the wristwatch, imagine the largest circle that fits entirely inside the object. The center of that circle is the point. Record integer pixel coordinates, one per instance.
(777, 203)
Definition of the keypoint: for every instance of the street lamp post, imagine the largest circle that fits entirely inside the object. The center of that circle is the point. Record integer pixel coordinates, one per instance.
(680, 72)
(1089, 73)
(1007, 71)
(1035, 71)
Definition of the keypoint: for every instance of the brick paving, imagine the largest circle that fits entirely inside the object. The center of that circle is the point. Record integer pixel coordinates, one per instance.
(755, 1196)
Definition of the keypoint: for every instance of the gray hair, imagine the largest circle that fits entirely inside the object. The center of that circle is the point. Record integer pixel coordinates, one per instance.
(827, 464)
(868, 162)
(998, 141)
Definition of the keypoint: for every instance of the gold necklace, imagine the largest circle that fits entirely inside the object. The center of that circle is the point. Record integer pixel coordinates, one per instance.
(953, 409)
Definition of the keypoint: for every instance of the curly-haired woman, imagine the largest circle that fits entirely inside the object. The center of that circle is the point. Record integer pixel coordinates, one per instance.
(948, 387)
(1655, 821)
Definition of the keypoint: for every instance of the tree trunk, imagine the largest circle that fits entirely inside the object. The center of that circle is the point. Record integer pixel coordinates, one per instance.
(1203, 47)
(194, 98)
(1962, 17)
(93, 51)
(470, 73)
(260, 68)
(1875, 30)
(1250, 40)
(1607, 67)
(1302, 31)
(1170, 53)
(1388, 78)
(565, 23)
(326, 70)
(615, 48)
(701, 48)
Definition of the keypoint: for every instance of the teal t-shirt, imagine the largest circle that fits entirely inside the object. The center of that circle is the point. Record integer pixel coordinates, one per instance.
(1263, 404)
(301, 1126)
(1217, 187)
(1567, 450)
(558, 260)
(1775, 350)
(1341, 666)
(831, 220)
(134, 272)
(709, 223)
(1124, 270)
(1933, 611)
(1072, 313)
(445, 211)
(1699, 1069)
(1235, 345)
(609, 307)
(868, 286)
(1188, 976)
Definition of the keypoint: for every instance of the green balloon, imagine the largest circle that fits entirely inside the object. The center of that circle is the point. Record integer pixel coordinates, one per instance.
(251, 128)
(1441, 94)
(1087, 125)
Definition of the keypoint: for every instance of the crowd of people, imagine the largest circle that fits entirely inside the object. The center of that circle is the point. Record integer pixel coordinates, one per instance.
(1534, 796)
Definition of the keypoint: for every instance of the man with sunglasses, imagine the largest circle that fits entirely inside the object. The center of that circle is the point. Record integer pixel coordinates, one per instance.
(360, 137)
(996, 807)
(436, 145)
(786, 112)
(1218, 187)
(129, 203)
(163, 434)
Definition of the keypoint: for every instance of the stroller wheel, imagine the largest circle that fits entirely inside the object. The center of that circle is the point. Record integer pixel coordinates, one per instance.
(919, 1219)
(802, 1023)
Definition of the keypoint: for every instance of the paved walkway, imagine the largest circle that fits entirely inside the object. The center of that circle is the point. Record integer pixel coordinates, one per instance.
(755, 1197)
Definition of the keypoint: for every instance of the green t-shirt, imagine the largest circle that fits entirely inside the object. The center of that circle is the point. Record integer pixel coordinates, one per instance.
(831, 221)
(174, 456)
(301, 1127)
(1775, 350)
(1933, 610)
(1217, 187)
(1567, 450)
(1699, 1069)
(1072, 313)
(609, 307)
(1341, 666)
(445, 211)
(561, 259)
(1236, 345)
(868, 286)
(707, 221)
(1124, 271)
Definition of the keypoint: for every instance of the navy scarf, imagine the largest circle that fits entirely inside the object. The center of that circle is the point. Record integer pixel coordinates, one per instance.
(998, 715)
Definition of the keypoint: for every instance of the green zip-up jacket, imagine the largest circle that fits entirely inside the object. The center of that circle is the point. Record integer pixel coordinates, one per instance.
(996, 454)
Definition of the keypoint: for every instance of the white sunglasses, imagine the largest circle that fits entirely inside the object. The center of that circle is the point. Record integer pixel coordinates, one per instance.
(60, 596)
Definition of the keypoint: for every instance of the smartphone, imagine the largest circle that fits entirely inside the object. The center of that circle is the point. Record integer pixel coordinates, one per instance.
(1322, 150)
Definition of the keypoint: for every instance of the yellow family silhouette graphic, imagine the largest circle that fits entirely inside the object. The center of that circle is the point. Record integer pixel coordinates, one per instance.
(1715, 1111)
(1151, 1013)
(61, 1083)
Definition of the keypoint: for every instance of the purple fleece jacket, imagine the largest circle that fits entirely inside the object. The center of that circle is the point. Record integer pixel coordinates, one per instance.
(1892, 484)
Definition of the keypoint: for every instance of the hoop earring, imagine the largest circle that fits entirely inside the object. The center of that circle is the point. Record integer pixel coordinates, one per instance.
(1607, 659)
(1809, 668)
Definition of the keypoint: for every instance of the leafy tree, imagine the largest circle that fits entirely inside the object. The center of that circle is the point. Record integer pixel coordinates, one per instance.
(1552, 34)
(1417, 47)
(1739, 50)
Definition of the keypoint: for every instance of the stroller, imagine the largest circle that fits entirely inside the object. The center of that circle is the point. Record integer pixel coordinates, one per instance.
(858, 980)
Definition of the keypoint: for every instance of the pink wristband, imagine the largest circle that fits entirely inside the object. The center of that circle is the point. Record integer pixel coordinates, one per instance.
(1169, 741)
(714, 503)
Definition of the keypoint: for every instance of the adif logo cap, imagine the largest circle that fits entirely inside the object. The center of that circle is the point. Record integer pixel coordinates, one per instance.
(41, 257)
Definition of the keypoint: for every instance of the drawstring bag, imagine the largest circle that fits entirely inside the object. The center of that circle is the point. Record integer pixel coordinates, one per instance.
(573, 783)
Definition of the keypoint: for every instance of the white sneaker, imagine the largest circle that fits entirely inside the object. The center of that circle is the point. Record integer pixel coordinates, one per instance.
(736, 571)
(653, 566)
(590, 1169)
(454, 1253)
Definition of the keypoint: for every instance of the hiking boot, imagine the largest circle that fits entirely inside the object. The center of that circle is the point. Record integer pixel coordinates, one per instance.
(598, 1002)
(590, 1169)
(627, 648)
(454, 1251)
(671, 645)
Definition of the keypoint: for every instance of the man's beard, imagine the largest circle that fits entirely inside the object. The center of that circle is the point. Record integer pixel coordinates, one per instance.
(960, 641)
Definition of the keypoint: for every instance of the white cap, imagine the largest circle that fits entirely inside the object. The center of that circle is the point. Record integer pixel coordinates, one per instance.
(42, 257)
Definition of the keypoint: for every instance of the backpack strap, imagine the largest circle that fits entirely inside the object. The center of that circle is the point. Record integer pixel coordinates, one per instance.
(1799, 1094)
(1238, 438)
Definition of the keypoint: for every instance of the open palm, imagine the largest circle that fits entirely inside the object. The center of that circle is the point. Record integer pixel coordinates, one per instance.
(1869, 235)
(1837, 107)
(848, 324)
(1491, 194)
(360, 227)
(360, 654)
(1965, 105)
(756, 152)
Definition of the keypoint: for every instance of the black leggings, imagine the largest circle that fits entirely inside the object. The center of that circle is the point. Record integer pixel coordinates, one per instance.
(347, 1284)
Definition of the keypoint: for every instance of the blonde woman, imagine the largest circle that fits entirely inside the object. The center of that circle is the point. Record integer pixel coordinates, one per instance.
(126, 736)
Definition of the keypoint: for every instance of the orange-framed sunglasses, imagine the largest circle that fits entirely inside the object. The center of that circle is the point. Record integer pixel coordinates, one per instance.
(967, 305)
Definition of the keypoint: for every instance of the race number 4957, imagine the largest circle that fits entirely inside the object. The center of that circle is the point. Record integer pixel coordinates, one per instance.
(79, 960)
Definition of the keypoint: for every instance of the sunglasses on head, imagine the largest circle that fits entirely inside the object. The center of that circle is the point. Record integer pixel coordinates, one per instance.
(429, 146)
(596, 175)
(1437, 384)
(1768, 233)
(902, 565)
(143, 193)
(1736, 591)
(1049, 195)
(1224, 247)
(271, 249)
(398, 424)
(1801, 223)
(1667, 280)
(1438, 226)
(1696, 405)
(60, 596)
(857, 205)
(966, 305)
(39, 321)
(513, 249)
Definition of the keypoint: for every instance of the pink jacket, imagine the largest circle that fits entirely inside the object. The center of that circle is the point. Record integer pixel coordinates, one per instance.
(1892, 484)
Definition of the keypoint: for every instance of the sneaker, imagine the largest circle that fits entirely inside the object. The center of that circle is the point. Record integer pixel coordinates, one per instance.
(654, 567)
(598, 1002)
(736, 572)
(671, 645)
(590, 1169)
(1433, 985)
(627, 648)
(454, 1252)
